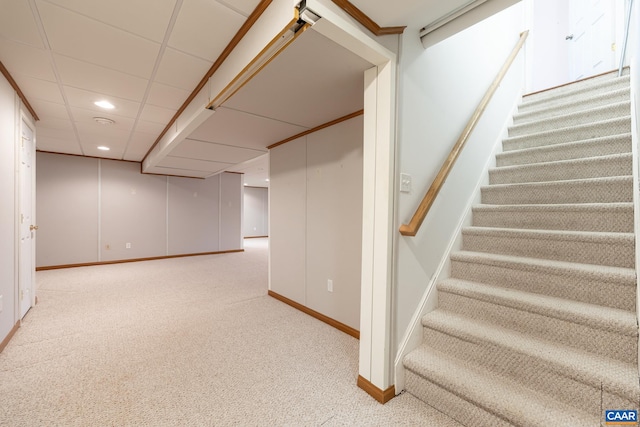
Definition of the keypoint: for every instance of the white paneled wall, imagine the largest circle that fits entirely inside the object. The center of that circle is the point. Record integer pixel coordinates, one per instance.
(92, 210)
(315, 213)
(8, 272)
(256, 212)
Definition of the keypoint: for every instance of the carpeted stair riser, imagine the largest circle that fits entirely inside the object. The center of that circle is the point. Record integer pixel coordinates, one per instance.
(537, 324)
(559, 95)
(614, 401)
(574, 105)
(602, 113)
(595, 190)
(592, 167)
(601, 129)
(528, 371)
(461, 410)
(614, 249)
(606, 217)
(526, 359)
(580, 336)
(616, 144)
(607, 286)
(508, 401)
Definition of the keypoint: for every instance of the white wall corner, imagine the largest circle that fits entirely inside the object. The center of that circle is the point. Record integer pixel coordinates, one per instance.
(378, 226)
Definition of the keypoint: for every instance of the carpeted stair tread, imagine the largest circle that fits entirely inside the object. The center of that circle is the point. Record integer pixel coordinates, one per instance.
(538, 313)
(598, 129)
(577, 90)
(614, 376)
(592, 190)
(505, 399)
(595, 316)
(605, 331)
(572, 119)
(572, 105)
(586, 247)
(593, 284)
(608, 145)
(562, 170)
(602, 217)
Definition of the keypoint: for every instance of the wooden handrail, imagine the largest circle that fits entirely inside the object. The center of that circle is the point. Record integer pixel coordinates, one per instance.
(412, 228)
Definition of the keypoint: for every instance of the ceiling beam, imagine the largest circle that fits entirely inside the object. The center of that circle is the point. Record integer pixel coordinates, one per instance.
(257, 12)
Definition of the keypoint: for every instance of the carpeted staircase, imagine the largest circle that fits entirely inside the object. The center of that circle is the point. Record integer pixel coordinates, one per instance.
(537, 324)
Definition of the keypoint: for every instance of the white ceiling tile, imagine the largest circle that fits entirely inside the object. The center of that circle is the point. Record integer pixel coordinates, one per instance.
(257, 164)
(86, 99)
(57, 145)
(56, 133)
(36, 89)
(150, 127)
(139, 145)
(93, 135)
(17, 22)
(255, 172)
(245, 7)
(412, 13)
(178, 172)
(81, 115)
(195, 165)
(50, 123)
(24, 59)
(167, 96)
(83, 75)
(154, 114)
(191, 149)
(240, 129)
(333, 88)
(49, 110)
(180, 70)
(132, 16)
(79, 37)
(191, 31)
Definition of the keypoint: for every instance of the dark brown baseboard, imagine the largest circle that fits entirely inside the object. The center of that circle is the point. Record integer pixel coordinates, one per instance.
(121, 261)
(12, 332)
(382, 396)
(255, 237)
(338, 325)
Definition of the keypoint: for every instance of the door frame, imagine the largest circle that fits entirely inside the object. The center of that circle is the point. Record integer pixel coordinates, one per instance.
(24, 119)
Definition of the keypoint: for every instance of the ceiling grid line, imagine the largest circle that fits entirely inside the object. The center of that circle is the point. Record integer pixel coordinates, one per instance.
(163, 47)
(47, 48)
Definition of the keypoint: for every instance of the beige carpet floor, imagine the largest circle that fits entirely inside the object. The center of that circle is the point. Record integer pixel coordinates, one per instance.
(184, 342)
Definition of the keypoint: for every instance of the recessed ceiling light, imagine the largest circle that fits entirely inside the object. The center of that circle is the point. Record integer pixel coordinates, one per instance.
(105, 104)
(267, 179)
(245, 184)
(103, 148)
(104, 121)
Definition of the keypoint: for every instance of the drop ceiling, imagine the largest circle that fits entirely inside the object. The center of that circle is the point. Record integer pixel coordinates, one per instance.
(147, 56)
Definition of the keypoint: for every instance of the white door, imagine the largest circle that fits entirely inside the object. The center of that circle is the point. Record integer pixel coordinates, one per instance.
(26, 294)
(592, 37)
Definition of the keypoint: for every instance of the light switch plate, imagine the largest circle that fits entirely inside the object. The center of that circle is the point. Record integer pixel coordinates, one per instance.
(405, 183)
